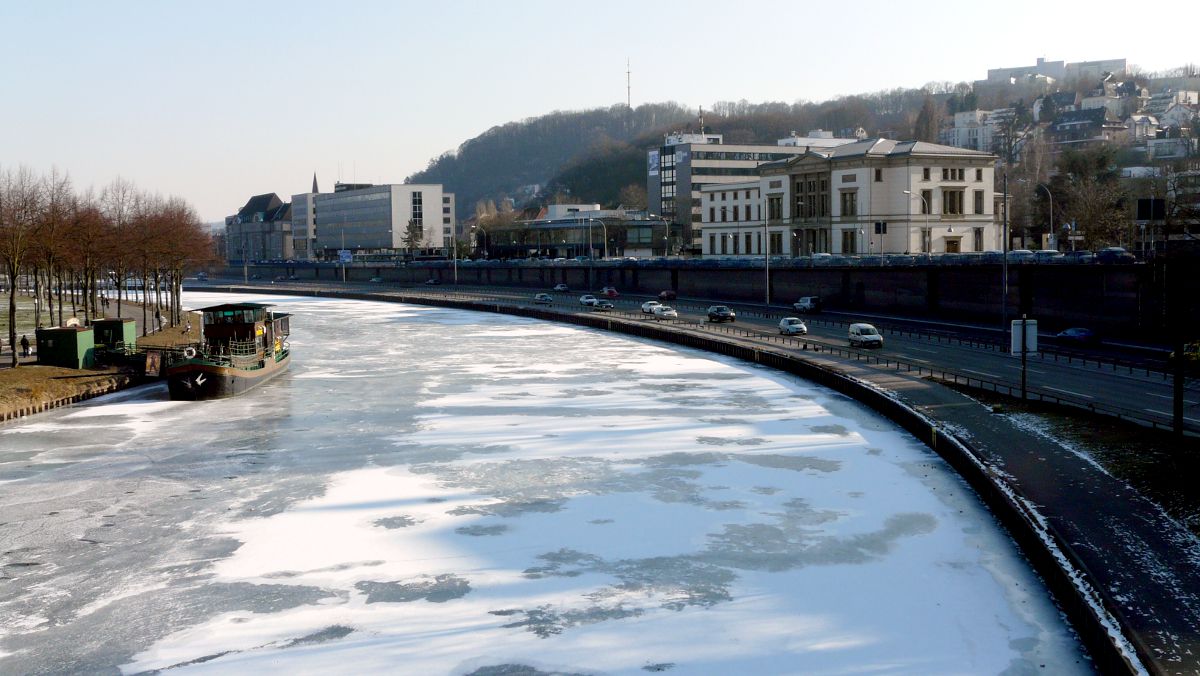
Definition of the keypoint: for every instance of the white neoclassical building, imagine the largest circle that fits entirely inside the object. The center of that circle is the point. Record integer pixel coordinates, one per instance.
(870, 197)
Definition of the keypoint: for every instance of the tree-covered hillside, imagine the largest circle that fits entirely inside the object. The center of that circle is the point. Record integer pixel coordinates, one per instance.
(505, 161)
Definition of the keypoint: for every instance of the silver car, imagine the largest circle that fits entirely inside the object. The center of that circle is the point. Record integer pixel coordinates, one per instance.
(587, 300)
(665, 312)
(792, 326)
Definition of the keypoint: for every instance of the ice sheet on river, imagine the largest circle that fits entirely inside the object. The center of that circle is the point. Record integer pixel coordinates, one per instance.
(478, 494)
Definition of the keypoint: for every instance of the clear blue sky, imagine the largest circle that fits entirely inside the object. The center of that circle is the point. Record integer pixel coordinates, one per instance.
(217, 101)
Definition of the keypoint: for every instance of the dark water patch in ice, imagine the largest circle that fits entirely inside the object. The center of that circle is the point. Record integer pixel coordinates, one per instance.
(479, 531)
(285, 574)
(518, 670)
(393, 522)
(511, 509)
(796, 542)
(726, 441)
(330, 633)
(839, 430)
(660, 666)
(795, 463)
(766, 490)
(546, 621)
(433, 589)
(599, 522)
(685, 459)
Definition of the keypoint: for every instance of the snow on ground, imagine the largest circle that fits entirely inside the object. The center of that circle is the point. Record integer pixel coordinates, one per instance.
(499, 493)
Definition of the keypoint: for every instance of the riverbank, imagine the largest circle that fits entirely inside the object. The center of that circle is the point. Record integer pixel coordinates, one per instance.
(32, 388)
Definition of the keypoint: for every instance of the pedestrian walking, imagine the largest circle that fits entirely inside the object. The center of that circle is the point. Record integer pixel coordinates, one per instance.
(25, 346)
(158, 319)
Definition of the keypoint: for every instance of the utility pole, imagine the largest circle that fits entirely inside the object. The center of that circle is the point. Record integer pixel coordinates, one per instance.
(628, 90)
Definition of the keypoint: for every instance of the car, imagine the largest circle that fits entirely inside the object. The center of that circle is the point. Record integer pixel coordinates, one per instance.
(667, 295)
(1047, 256)
(432, 282)
(202, 276)
(376, 280)
(256, 276)
(721, 313)
(561, 287)
(1114, 255)
(792, 326)
(587, 299)
(1078, 335)
(665, 312)
(291, 278)
(807, 304)
(1079, 257)
(603, 305)
(609, 292)
(865, 335)
(648, 306)
(1020, 256)
(542, 299)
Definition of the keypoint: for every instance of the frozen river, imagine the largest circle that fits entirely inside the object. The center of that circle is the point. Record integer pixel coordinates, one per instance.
(431, 491)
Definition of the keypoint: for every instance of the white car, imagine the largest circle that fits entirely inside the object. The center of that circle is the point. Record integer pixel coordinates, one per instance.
(587, 300)
(561, 287)
(542, 299)
(648, 306)
(865, 335)
(792, 326)
(665, 312)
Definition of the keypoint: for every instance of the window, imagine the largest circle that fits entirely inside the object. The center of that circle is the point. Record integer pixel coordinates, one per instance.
(735, 212)
(954, 174)
(712, 214)
(748, 242)
(926, 240)
(734, 239)
(979, 201)
(926, 201)
(445, 210)
(724, 214)
(850, 203)
(777, 243)
(712, 244)
(747, 194)
(925, 174)
(978, 239)
(712, 196)
(774, 207)
(952, 202)
(445, 199)
(724, 244)
(445, 220)
(723, 196)
(879, 176)
(978, 174)
(880, 227)
(417, 215)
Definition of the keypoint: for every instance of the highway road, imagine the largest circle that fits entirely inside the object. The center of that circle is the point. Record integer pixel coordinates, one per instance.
(1100, 382)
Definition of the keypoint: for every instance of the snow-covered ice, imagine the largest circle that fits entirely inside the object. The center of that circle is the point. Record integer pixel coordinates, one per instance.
(439, 492)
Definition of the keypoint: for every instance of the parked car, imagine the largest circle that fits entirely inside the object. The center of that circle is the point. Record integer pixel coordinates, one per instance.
(291, 278)
(865, 335)
(721, 313)
(665, 312)
(648, 306)
(1079, 257)
(432, 282)
(202, 276)
(666, 295)
(603, 304)
(808, 304)
(792, 326)
(1113, 255)
(1020, 256)
(1047, 256)
(542, 299)
(587, 299)
(609, 292)
(1078, 336)
(280, 278)
(376, 280)
(561, 287)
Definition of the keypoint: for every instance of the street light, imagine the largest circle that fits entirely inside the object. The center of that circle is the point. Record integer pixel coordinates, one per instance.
(1045, 187)
(605, 227)
(908, 244)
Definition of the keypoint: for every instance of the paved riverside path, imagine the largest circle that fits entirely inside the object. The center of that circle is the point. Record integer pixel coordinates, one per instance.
(1143, 565)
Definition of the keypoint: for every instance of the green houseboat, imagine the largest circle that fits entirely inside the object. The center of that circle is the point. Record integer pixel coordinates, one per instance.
(242, 345)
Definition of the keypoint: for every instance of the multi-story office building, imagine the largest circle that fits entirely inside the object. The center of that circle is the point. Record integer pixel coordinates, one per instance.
(416, 219)
(873, 196)
(687, 162)
(262, 229)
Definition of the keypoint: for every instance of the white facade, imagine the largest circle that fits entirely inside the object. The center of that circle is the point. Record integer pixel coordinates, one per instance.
(733, 221)
(852, 200)
(302, 229)
(973, 129)
(556, 212)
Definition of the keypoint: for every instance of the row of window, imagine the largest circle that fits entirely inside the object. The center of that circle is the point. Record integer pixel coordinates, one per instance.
(751, 243)
(712, 214)
(712, 196)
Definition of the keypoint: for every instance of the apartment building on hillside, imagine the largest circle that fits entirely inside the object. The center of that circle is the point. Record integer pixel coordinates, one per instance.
(374, 219)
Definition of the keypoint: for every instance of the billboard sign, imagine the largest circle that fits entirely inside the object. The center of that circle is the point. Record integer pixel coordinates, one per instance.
(652, 163)
(344, 256)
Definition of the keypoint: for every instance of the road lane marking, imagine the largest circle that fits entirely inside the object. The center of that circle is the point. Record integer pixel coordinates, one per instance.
(1073, 394)
(923, 361)
(1013, 366)
(981, 373)
(1167, 396)
(1164, 413)
(921, 349)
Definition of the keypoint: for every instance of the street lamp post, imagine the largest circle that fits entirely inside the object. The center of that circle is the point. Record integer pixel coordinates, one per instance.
(924, 202)
(454, 253)
(1004, 263)
(1043, 186)
(766, 248)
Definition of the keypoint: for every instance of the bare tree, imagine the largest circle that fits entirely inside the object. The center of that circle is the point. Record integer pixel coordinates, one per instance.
(20, 206)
